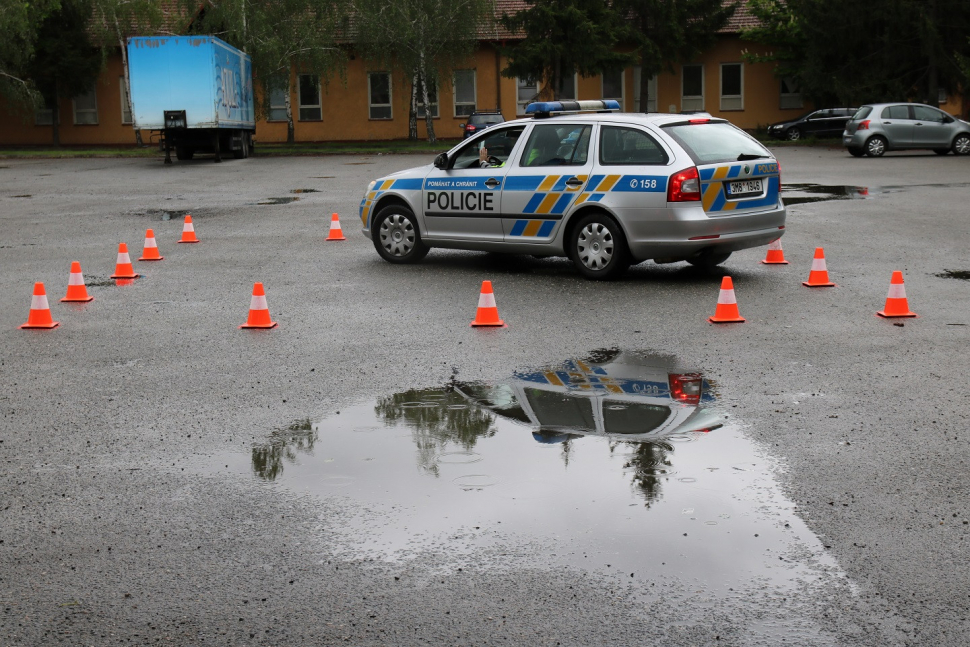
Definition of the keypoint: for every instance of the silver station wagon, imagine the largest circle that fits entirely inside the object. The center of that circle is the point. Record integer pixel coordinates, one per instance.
(606, 189)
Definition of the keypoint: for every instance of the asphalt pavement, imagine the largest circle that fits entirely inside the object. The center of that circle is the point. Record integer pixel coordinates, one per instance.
(120, 522)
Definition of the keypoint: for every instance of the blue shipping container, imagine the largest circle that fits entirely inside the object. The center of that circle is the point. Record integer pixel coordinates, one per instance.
(207, 78)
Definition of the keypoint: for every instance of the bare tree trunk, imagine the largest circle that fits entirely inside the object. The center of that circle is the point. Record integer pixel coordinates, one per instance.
(413, 113)
(290, 134)
(428, 119)
(124, 64)
(644, 88)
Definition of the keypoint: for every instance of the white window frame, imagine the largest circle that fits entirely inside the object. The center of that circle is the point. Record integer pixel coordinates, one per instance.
(520, 105)
(299, 92)
(651, 89)
(622, 97)
(731, 101)
(283, 90)
(454, 93)
(390, 97)
(125, 112)
(692, 101)
(93, 93)
(789, 100)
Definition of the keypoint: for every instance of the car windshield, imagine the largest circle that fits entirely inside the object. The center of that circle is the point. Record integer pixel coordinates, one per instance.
(712, 142)
(862, 112)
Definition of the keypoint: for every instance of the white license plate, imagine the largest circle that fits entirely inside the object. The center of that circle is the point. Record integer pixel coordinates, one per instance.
(745, 187)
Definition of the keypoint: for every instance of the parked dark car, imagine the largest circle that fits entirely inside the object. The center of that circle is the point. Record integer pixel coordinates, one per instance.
(829, 122)
(479, 121)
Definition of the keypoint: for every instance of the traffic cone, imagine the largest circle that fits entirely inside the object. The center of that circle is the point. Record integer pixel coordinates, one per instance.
(487, 314)
(124, 270)
(258, 310)
(150, 253)
(775, 256)
(40, 311)
(336, 233)
(727, 304)
(76, 292)
(188, 231)
(819, 276)
(896, 304)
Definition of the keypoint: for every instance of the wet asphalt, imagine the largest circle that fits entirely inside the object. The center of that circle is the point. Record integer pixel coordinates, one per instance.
(121, 524)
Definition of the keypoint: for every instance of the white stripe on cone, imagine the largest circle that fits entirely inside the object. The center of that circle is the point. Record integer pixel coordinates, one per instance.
(897, 291)
(818, 265)
(486, 300)
(726, 297)
(775, 245)
(123, 257)
(335, 225)
(258, 303)
(75, 279)
(39, 302)
(150, 242)
(187, 227)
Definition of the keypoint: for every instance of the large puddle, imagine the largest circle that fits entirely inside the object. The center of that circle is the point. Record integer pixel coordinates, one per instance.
(619, 463)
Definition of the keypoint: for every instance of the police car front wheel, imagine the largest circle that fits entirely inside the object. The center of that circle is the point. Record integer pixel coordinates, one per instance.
(598, 247)
(396, 236)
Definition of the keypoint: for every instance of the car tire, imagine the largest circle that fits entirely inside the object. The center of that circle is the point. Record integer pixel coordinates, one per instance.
(941, 151)
(875, 146)
(961, 144)
(598, 248)
(793, 134)
(396, 237)
(709, 262)
(855, 151)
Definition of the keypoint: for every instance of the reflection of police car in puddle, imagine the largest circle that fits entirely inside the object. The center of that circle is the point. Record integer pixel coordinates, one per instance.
(606, 190)
(620, 395)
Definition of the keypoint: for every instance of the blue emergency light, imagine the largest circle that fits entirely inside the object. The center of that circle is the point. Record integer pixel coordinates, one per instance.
(544, 108)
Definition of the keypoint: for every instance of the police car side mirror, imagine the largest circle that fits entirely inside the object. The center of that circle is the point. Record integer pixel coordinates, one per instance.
(441, 161)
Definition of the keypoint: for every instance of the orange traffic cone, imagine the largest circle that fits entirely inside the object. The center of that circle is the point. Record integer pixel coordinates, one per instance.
(123, 269)
(487, 314)
(150, 253)
(258, 310)
(775, 256)
(727, 304)
(336, 233)
(896, 304)
(75, 285)
(40, 311)
(819, 276)
(188, 231)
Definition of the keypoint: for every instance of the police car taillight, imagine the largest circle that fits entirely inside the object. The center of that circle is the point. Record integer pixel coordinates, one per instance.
(684, 186)
(686, 387)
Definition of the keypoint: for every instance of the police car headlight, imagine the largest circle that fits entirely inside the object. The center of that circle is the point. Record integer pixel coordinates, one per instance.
(370, 187)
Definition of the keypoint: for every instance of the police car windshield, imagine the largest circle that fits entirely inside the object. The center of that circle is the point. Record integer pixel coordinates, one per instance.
(713, 142)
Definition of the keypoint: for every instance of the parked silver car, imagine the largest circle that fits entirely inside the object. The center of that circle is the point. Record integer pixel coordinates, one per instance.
(880, 127)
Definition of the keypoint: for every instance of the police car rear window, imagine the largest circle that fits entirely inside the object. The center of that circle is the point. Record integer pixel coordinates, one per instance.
(713, 142)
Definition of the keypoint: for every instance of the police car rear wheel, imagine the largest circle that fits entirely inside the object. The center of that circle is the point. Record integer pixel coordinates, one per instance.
(598, 248)
(396, 236)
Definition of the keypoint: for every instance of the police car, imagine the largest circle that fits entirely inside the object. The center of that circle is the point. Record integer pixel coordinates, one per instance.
(578, 179)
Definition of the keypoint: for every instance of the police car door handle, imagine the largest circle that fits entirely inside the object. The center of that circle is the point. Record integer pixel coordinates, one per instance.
(573, 182)
(492, 183)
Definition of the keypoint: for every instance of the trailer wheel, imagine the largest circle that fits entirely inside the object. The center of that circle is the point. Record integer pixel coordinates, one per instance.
(243, 151)
(183, 153)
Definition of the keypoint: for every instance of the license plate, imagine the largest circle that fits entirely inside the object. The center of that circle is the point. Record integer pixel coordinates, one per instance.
(745, 187)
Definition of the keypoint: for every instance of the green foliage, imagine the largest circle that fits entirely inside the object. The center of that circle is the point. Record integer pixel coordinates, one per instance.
(20, 21)
(563, 37)
(848, 52)
(65, 61)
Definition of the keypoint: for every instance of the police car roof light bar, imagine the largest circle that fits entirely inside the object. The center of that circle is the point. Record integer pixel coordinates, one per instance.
(546, 108)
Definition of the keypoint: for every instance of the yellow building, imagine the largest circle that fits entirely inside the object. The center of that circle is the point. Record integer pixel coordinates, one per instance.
(372, 103)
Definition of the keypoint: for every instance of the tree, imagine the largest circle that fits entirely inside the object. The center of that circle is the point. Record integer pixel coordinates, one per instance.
(280, 36)
(423, 39)
(65, 62)
(19, 24)
(563, 37)
(908, 49)
(666, 32)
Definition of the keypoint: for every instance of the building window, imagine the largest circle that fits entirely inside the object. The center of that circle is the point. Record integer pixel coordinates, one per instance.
(277, 103)
(86, 109)
(379, 93)
(613, 87)
(651, 92)
(791, 95)
(125, 105)
(567, 88)
(310, 109)
(432, 100)
(692, 88)
(44, 115)
(465, 95)
(941, 96)
(732, 86)
(526, 91)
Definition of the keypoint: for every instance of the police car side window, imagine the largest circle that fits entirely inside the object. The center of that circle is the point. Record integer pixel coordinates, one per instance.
(499, 143)
(621, 146)
(557, 145)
